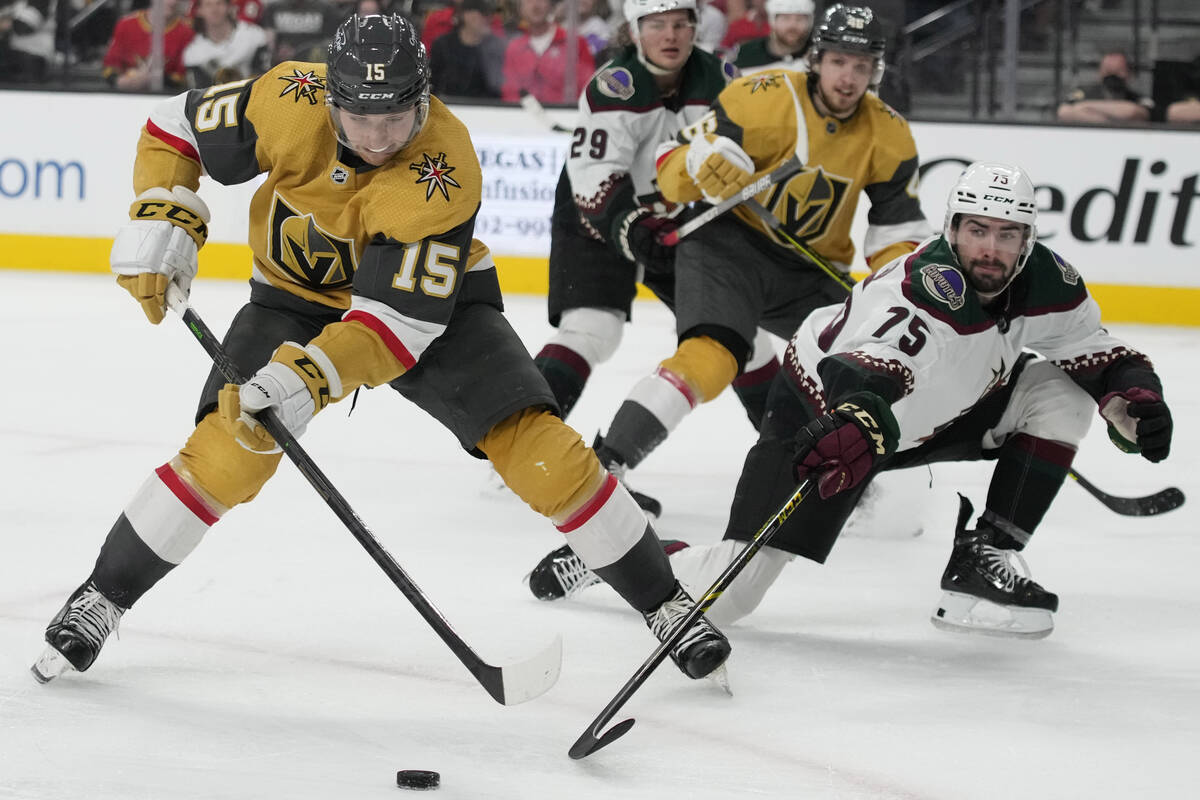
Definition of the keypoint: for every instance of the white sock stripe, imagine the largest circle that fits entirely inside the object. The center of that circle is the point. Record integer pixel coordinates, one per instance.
(611, 532)
(662, 399)
(164, 522)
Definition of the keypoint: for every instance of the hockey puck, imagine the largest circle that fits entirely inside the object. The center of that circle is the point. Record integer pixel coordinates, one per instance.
(418, 779)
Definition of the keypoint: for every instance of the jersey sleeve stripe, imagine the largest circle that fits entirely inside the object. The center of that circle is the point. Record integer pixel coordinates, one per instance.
(179, 144)
(407, 338)
(168, 123)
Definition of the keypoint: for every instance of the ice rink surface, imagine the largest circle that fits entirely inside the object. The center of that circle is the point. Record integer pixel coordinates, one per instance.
(279, 662)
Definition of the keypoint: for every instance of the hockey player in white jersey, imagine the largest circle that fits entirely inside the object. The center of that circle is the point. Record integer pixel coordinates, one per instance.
(608, 213)
(929, 360)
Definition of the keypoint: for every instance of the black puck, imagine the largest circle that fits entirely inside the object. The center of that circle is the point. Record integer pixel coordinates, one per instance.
(418, 779)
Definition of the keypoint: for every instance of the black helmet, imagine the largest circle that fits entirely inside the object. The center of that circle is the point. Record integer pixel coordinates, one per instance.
(377, 65)
(853, 29)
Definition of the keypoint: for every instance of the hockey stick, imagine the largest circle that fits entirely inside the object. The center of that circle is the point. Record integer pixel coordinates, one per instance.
(535, 109)
(508, 685)
(781, 173)
(595, 736)
(1160, 502)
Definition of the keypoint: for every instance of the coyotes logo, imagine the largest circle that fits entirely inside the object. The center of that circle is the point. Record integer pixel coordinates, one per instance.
(310, 256)
(808, 202)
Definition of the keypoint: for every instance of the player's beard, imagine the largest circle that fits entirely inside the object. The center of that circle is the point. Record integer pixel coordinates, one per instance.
(990, 282)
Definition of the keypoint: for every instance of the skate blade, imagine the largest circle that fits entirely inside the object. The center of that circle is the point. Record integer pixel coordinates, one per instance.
(962, 613)
(49, 665)
(720, 679)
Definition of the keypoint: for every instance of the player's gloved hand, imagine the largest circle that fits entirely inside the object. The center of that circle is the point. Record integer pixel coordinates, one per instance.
(638, 236)
(718, 166)
(296, 383)
(1138, 422)
(841, 447)
(159, 245)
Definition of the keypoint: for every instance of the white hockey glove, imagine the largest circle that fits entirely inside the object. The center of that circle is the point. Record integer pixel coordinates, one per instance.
(296, 383)
(718, 166)
(159, 245)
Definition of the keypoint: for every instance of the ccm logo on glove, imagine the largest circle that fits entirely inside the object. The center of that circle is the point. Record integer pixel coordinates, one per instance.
(841, 448)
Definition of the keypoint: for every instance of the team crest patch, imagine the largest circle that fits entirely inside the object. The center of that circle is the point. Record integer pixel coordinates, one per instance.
(764, 81)
(731, 71)
(339, 175)
(307, 253)
(1069, 273)
(945, 284)
(615, 82)
(302, 86)
(435, 174)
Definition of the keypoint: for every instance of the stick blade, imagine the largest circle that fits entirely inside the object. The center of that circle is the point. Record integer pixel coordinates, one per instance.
(520, 682)
(1168, 499)
(587, 743)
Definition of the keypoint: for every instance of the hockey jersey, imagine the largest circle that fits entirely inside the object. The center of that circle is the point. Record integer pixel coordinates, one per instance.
(623, 118)
(324, 222)
(772, 117)
(916, 334)
(754, 56)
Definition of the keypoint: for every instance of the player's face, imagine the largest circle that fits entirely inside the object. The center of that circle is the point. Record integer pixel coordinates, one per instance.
(790, 29)
(376, 137)
(843, 80)
(988, 250)
(667, 38)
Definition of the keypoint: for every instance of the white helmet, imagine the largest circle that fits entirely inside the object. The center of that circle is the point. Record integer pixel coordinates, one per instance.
(999, 191)
(777, 7)
(635, 10)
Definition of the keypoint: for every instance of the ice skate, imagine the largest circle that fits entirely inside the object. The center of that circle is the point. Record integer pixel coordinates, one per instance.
(985, 592)
(77, 632)
(562, 574)
(702, 650)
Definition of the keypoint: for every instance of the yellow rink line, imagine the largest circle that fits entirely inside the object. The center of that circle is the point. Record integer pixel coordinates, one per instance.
(1164, 305)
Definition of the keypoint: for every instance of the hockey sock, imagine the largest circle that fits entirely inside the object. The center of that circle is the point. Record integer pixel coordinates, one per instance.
(1029, 472)
(566, 371)
(752, 388)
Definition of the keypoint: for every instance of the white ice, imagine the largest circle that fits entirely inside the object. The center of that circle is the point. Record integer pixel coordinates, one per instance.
(279, 662)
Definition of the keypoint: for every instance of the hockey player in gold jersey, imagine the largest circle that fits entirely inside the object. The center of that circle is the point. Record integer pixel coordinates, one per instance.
(735, 273)
(365, 272)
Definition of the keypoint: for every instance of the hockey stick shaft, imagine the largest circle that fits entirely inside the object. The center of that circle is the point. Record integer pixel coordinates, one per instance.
(1148, 505)
(535, 109)
(781, 173)
(492, 678)
(595, 737)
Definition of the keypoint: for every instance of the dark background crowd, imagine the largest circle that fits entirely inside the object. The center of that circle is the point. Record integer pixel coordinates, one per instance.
(1077, 61)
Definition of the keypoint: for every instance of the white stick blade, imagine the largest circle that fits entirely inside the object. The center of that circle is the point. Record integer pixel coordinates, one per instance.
(533, 677)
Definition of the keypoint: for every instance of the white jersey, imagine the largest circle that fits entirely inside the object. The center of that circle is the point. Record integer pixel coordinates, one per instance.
(916, 334)
(622, 119)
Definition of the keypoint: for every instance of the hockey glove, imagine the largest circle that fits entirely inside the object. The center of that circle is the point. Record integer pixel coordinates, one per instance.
(158, 245)
(841, 447)
(296, 383)
(637, 237)
(718, 166)
(1138, 422)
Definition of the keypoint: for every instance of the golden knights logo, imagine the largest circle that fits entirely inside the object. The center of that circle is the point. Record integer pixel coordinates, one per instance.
(300, 249)
(435, 175)
(764, 81)
(302, 85)
(808, 202)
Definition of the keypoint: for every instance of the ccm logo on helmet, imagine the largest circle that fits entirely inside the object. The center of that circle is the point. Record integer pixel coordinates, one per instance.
(997, 198)
(376, 95)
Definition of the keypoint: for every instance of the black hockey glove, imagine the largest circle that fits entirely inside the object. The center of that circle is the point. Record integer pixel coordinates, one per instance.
(637, 238)
(1138, 422)
(843, 446)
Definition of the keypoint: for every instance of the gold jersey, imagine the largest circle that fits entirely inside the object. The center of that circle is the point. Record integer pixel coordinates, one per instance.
(771, 115)
(392, 245)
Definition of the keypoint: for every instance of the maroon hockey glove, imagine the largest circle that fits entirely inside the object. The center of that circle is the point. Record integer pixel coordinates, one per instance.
(1138, 422)
(841, 447)
(639, 237)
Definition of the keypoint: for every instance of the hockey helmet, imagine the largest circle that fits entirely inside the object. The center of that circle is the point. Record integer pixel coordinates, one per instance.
(636, 10)
(777, 7)
(850, 29)
(998, 191)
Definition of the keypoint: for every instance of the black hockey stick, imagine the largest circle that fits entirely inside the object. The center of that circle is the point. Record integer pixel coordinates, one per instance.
(508, 685)
(595, 736)
(1160, 502)
(781, 173)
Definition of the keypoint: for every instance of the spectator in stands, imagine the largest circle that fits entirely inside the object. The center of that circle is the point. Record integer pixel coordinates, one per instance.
(298, 30)
(1186, 109)
(753, 24)
(711, 24)
(536, 61)
(26, 40)
(784, 46)
(246, 10)
(1110, 99)
(225, 48)
(592, 19)
(469, 60)
(445, 19)
(127, 62)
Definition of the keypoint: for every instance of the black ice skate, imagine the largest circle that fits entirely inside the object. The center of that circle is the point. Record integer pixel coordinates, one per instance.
(702, 649)
(563, 574)
(77, 633)
(615, 464)
(985, 593)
